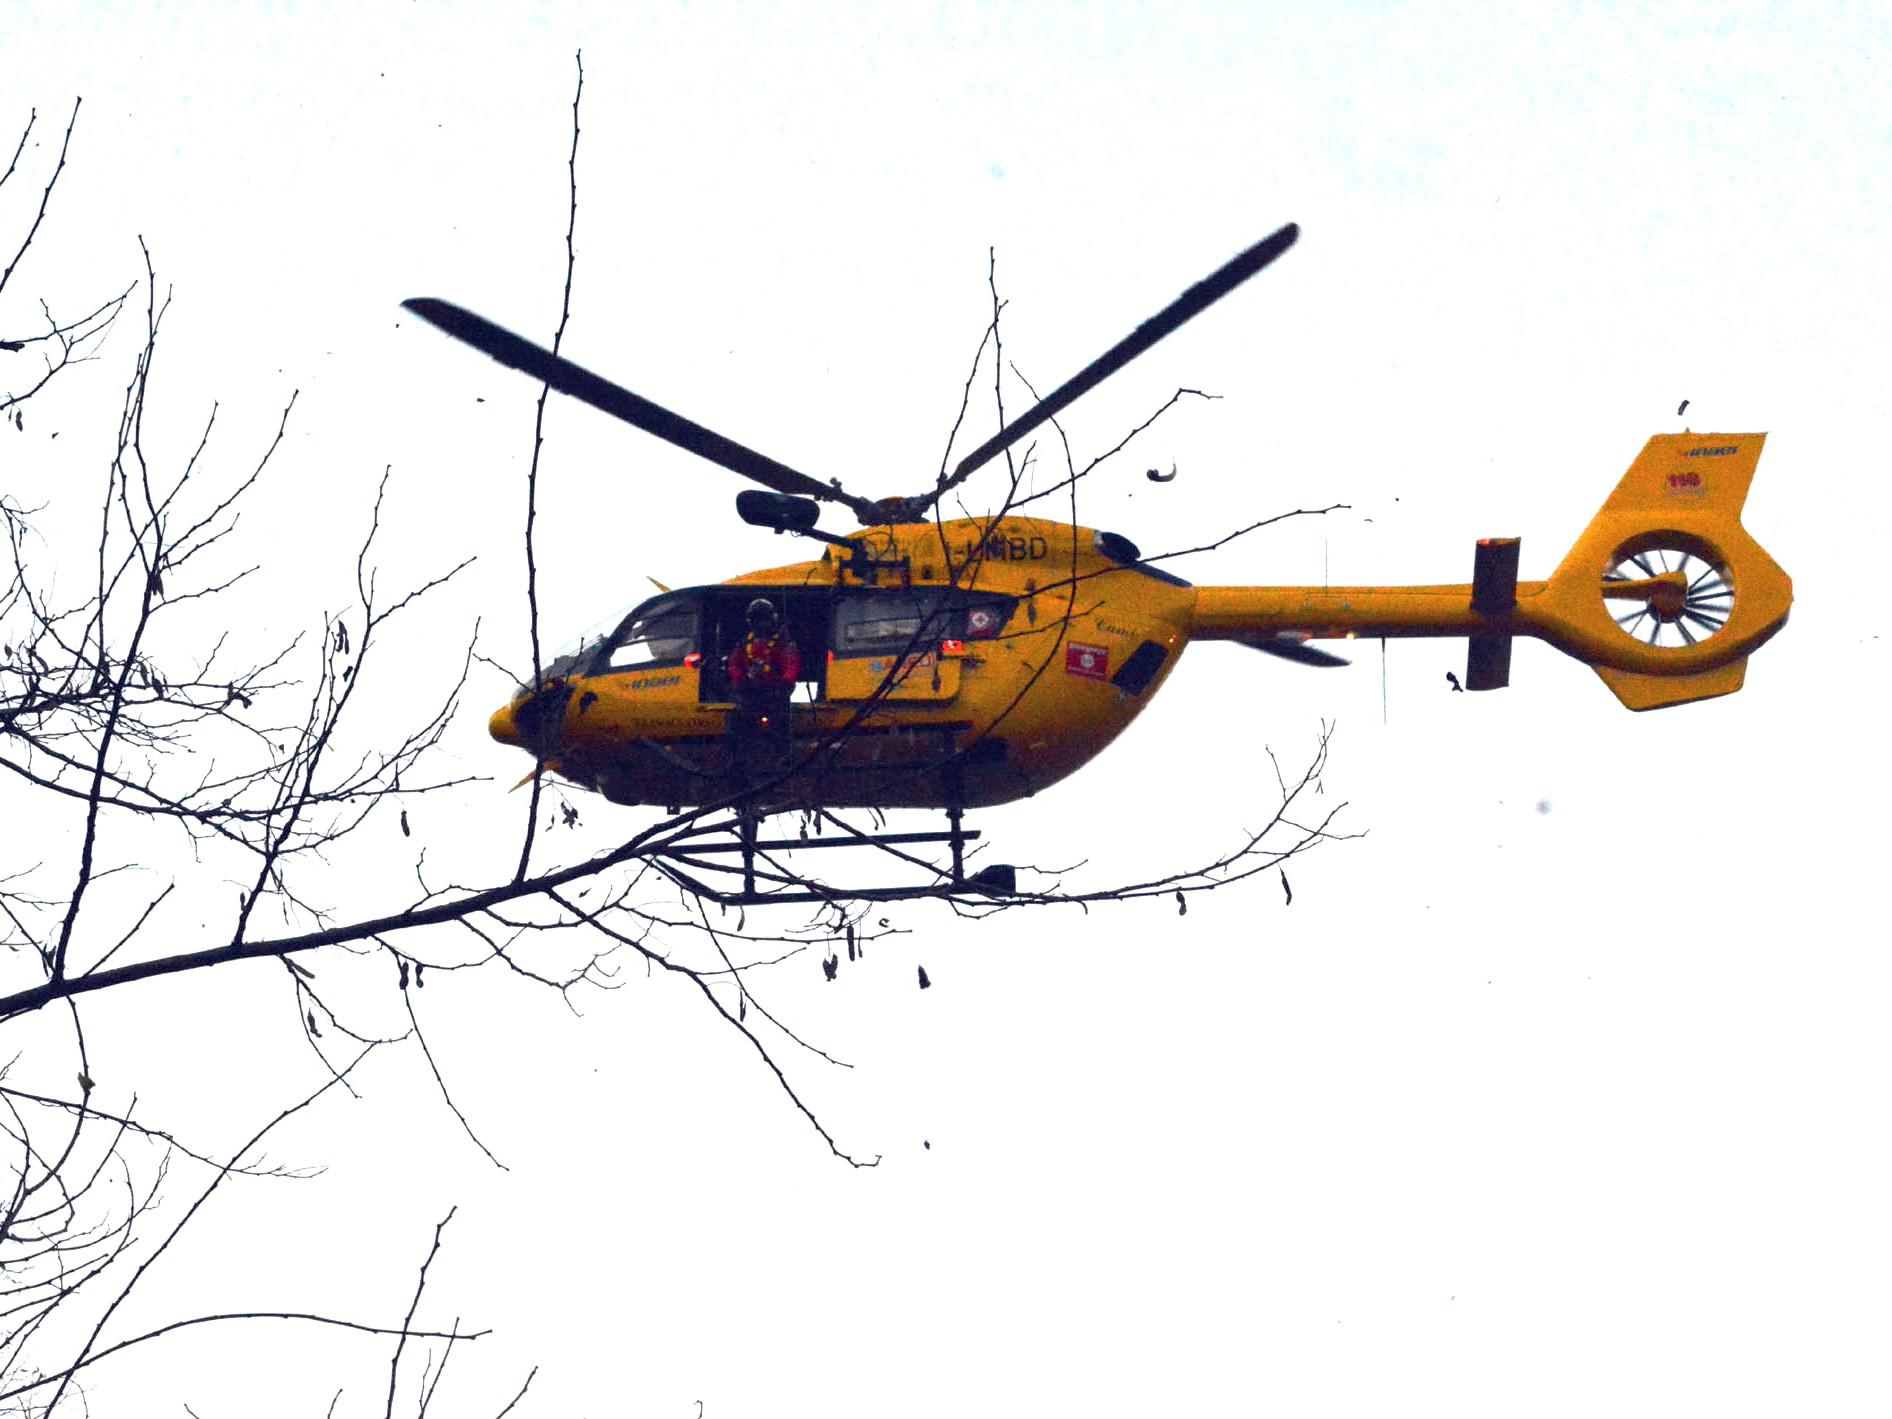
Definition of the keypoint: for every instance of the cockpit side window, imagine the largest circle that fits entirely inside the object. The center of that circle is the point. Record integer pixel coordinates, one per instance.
(660, 632)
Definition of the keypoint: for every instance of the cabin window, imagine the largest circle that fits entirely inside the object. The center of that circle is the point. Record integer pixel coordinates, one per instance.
(884, 622)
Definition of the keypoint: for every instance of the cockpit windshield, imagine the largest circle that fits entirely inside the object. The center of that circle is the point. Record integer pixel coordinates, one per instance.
(656, 631)
(660, 632)
(573, 656)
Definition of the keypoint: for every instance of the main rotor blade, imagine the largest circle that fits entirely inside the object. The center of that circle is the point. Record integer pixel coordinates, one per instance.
(518, 353)
(1191, 302)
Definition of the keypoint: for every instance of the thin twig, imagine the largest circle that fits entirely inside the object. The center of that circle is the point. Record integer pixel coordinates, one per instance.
(532, 472)
(394, 1370)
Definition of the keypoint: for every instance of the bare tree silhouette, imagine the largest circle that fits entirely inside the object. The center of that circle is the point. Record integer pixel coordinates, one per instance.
(158, 764)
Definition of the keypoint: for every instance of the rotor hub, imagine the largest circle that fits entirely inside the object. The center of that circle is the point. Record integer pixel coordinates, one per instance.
(1669, 601)
(1669, 591)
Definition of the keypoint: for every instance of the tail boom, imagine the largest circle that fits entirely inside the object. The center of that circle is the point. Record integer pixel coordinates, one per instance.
(1665, 559)
(1232, 613)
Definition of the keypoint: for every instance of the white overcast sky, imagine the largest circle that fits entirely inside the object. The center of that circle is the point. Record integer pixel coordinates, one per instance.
(1563, 1091)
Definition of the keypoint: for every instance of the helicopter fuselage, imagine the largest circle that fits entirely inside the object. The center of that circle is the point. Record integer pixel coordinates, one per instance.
(972, 662)
(963, 663)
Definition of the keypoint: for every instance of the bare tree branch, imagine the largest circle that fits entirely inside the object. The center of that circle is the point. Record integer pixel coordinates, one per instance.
(394, 1369)
(46, 194)
(538, 443)
(135, 732)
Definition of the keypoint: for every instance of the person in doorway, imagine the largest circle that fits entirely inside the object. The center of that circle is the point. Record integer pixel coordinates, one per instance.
(763, 669)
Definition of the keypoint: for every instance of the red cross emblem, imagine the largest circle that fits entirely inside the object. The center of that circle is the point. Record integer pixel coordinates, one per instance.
(1092, 662)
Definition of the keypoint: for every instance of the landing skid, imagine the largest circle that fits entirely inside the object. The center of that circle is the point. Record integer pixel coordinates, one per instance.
(689, 856)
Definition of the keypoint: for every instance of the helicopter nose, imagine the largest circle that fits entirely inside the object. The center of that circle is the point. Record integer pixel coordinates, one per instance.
(532, 722)
(503, 728)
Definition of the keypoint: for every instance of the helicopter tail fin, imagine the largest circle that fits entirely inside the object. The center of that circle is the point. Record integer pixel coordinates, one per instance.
(1694, 483)
(1678, 573)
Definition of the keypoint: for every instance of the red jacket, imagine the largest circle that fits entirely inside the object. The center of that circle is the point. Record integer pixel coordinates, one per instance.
(770, 662)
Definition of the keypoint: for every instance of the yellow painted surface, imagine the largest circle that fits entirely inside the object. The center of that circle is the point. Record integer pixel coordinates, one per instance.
(920, 728)
(926, 676)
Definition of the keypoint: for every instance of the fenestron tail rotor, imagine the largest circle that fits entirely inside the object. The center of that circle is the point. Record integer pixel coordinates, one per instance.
(1668, 597)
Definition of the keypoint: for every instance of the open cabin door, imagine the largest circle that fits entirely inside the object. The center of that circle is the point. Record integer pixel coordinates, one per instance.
(805, 614)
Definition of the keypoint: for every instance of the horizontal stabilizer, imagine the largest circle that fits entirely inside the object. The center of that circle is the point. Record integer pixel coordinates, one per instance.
(1293, 647)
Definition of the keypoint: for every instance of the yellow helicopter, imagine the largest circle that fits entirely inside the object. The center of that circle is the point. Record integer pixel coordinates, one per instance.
(951, 664)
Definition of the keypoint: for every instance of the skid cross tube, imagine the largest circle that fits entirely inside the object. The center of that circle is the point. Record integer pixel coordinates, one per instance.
(685, 851)
(792, 844)
(700, 888)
